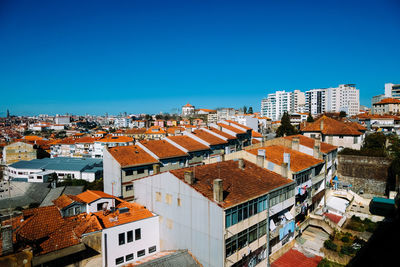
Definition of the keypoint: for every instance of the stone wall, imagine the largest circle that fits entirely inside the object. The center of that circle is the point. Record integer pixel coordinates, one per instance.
(367, 173)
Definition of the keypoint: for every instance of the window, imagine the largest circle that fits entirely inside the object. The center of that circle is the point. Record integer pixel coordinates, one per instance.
(121, 239)
(100, 205)
(129, 188)
(141, 253)
(179, 202)
(355, 141)
(152, 249)
(140, 171)
(138, 234)
(158, 196)
(128, 172)
(129, 236)
(168, 199)
(340, 136)
(77, 210)
(129, 257)
(119, 260)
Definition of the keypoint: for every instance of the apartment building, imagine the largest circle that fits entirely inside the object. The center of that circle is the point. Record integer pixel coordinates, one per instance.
(110, 141)
(392, 90)
(275, 105)
(248, 120)
(122, 122)
(219, 211)
(316, 101)
(345, 98)
(155, 133)
(18, 151)
(297, 101)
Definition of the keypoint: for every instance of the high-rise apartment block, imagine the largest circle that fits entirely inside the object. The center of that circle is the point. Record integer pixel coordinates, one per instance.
(392, 90)
(316, 101)
(275, 105)
(343, 98)
(297, 101)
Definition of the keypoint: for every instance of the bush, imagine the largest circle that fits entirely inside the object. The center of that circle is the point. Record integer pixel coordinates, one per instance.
(355, 218)
(327, 263)
(328, 244)
(347, 250)
(345, 239)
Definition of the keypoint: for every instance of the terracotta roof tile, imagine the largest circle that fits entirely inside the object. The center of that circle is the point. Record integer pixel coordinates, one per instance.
(86, 140)
(256, 134)
(309, 142)
(155, 130)
(330, 127)
(91, 195)
(115, 139)
(298, 161)
(296, 258)
(135, 131)
(239, 185)
(163, 149)
(209, 138)
(238, 124)
(388, 101)
(231, 128)
(189, 143)
(66, 200)
(224, 134)
(131, 156)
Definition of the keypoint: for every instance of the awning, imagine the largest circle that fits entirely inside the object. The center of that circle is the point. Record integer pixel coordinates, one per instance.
(288, 216)
(272, 226)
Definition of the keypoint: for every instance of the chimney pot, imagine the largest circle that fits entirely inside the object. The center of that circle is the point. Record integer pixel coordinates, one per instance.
(322, 124)
(296, 143)
(260, 161)
(218, 190)
(317, 149)
(284, 170)
(189, 177)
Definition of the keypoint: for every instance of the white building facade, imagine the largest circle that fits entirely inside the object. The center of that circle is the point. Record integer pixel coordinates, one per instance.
(275, 105)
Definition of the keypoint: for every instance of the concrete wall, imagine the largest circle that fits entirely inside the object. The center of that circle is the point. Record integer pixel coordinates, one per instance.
(112, 175)
(188, 220)
(18, 151)
(367, 173)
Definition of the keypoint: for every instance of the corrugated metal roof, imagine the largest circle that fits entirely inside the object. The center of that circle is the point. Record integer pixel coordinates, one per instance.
(61, 164)
(178, 258)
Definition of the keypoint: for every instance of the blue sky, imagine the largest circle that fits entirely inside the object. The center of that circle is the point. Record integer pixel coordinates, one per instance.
(151, 56)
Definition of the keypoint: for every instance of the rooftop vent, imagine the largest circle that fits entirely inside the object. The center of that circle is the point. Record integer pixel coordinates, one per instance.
(123, 210)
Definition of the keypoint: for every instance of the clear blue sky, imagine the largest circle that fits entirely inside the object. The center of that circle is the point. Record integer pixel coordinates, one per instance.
(151, 56)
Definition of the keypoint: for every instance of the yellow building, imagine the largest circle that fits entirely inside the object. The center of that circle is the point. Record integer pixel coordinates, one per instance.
(18, 151)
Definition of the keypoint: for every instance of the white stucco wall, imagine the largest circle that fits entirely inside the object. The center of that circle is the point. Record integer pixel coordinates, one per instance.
(197, 224)
(112, 175)
(149, 237)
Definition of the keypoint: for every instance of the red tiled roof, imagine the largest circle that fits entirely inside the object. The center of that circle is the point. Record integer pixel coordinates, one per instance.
(333, 217)
(231, 128)
(155, 130)
(32, 138)
(163, 149)
(256, 134)
(115, 139)
(298, 161)
(131, 156)
(135, 131)
(239, 185)
(188, 105)
(224, 134)
(309, 142)
(330, 127)
(86, 140)
(388, 101)
(66, 200)
(189, 143)
(209, 138)
(91, 195)
(294, 258)
(238, 124)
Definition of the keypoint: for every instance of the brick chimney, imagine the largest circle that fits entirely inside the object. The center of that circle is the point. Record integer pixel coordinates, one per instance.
(321, 124)
(296, 143)
(218, 190)
(189, 177)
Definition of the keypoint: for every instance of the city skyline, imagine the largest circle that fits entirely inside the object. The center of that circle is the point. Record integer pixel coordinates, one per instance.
(147, 57)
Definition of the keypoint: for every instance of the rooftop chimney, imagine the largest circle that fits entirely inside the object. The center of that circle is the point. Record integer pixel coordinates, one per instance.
(296, 143)
(241, 164)
(317, 149)
(218, 190)
(156, 169)
(284, 169)
(189, 177)
(322, 124)
(261, 158)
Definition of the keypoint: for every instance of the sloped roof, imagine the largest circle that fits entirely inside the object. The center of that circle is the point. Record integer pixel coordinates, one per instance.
(238, 124)
(224, 134)
(238, 185)
(309, 142)
(298, 161)
(163, 149)
(329, 127)
(64, 201)
(91, 195)
(388, 101)
(209, 138)
(131, 156)
(189, 143)
(115, 139)
(231, 128)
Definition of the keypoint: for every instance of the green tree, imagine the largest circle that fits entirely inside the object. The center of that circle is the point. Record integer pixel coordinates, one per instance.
(250, 111)
(244, 110)
(374, 141)
(342, 114)
(286, 128)
(310, 118)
